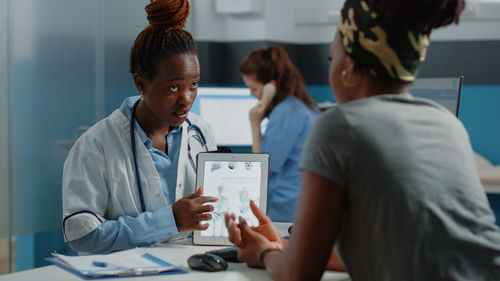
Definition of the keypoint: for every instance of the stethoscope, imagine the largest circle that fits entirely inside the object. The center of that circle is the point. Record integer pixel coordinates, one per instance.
(191, 127)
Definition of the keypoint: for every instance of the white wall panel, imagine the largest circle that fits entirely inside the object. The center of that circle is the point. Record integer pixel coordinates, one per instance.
(277, 22)
(4, 126)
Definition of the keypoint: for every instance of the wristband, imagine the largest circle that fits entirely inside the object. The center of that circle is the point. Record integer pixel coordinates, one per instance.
(263, 256)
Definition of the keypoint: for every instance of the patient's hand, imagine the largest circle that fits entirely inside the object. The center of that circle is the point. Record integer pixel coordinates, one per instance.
(251, 241)
(250, 244)
(266, 227)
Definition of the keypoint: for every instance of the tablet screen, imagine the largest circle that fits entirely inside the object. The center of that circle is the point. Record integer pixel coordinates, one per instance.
(235, 184)
(234, 178)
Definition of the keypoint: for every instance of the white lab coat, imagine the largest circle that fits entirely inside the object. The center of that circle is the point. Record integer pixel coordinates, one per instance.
(99, 180)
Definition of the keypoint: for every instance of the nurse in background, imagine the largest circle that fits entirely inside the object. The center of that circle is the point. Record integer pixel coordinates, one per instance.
(291, 113)
(104, 209)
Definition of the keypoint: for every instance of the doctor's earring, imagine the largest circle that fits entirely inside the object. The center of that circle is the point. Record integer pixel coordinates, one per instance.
(347, 83)
(142, 95)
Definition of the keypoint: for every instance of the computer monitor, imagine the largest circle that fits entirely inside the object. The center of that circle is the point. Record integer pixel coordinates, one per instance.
(445, 91)
(226, 109)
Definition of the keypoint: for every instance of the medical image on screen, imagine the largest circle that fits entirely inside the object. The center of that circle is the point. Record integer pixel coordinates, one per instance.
(235, 184)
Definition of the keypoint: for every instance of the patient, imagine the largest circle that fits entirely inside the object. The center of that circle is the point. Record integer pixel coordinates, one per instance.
(388, 178)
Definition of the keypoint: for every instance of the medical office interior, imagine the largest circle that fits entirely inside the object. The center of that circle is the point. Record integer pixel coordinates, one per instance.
(64, 66)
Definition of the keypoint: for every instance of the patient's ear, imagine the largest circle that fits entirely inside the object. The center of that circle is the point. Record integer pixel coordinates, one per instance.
(350, 76)
(351, 66)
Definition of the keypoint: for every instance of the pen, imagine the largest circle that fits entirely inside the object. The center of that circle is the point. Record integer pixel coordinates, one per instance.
(125, 270)
(99, 263)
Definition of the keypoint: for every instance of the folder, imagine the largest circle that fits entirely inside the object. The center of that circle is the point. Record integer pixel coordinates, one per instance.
(134, 262)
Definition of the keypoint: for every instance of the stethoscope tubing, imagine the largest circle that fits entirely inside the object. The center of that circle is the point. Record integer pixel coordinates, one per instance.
(134, 153)
(197, 129)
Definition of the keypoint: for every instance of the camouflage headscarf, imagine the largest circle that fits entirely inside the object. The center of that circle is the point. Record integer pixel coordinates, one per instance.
(386, 49)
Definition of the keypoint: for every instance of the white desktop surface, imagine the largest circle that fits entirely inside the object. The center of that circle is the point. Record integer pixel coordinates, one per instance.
(176, 253)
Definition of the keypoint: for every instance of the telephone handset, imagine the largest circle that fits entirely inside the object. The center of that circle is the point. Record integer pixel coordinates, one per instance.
(268, 93)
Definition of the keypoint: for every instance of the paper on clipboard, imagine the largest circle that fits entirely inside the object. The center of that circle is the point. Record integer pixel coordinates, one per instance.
(129, 262)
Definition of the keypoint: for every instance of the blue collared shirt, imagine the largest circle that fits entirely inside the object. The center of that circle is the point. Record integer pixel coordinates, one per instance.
(149, 227)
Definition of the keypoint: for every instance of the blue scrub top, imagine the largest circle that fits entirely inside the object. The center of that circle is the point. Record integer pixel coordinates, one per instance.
(284, 138)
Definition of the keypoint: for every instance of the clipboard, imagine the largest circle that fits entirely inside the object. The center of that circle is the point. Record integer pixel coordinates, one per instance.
(121, 272)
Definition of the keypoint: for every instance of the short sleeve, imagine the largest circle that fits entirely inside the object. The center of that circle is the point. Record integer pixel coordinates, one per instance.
(328, 147)
(281, 136)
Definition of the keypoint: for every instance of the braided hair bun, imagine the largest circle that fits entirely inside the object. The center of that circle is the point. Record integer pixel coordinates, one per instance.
(163, 38)
(167, 14)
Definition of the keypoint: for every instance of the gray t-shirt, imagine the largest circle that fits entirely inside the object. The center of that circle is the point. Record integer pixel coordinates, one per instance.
(414, 208)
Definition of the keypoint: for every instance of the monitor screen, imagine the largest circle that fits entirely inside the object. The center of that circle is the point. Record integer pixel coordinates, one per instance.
(226, 110)
(445, 91)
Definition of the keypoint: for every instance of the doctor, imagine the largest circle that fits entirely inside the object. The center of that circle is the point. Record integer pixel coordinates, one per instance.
(130, 179)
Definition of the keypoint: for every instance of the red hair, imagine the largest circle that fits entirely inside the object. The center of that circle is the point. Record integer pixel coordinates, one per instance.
(273, 63)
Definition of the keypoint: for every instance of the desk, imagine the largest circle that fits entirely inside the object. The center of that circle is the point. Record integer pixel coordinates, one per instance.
(176, 253)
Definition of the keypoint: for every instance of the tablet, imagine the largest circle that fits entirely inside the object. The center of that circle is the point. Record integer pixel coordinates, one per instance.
(235, 178)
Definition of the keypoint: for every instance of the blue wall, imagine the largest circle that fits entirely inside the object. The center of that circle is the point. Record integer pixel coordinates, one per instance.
(480, 113)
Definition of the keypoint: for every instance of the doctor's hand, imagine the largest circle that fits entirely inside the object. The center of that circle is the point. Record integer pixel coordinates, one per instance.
(191, 210)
